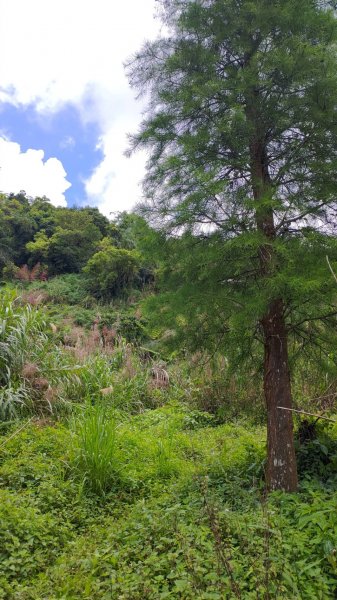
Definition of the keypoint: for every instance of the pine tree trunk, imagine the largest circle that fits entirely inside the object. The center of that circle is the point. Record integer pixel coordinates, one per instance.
(281, 472)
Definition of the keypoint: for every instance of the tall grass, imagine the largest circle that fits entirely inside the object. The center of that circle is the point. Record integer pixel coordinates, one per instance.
(21, 329)
(97, 455)
(12, 400)
(36, 375)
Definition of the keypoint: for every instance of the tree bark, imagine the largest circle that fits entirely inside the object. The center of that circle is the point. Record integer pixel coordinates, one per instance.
(281, 472)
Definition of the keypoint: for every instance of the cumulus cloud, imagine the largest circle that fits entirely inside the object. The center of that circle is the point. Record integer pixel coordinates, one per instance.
(61, 48)
(28, 171)
(73, 52)
(115, 185)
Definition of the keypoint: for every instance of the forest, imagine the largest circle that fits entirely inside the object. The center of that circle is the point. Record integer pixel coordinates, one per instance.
(168, 376)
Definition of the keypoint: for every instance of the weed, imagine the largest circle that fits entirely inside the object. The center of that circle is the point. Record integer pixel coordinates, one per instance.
(97, 457)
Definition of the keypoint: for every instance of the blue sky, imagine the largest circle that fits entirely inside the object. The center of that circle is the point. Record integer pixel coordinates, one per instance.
(65, 104)
(63, 135)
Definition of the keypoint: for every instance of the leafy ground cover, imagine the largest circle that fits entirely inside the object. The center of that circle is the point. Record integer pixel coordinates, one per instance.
(173, 508)
(124, 476)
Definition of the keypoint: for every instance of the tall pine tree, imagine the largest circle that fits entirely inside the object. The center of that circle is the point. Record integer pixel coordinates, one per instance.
(242, 133)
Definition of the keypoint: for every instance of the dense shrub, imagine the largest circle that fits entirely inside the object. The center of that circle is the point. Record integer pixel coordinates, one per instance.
(68, 289)
(111, 271)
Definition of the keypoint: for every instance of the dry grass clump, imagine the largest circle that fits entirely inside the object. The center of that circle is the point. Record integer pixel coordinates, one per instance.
(29, 371)
(83, 344)
(34, 297)
(107, 391)
(40, 390)
(52, 395)
(159, 377)
(109, 337)
(130, 368)
(74, 337)
(24, 273)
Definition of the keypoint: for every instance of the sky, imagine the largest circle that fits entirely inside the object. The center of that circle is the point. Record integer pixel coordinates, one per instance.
(65, 104)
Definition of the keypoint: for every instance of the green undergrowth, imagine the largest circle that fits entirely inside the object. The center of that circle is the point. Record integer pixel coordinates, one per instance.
(161, 504)
(196, 545)
(67, 302)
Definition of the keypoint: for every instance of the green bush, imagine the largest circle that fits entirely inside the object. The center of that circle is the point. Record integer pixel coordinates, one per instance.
(111, 271)
(128, 326)
(67, 289)
(84, 317)
(317, 458)
(132, 329)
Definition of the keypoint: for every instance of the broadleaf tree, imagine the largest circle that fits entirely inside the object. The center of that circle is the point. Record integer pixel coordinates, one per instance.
(111, 271)
(241, 130)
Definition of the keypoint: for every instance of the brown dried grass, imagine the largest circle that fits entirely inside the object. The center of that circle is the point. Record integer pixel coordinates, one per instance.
(34, 297)
(159, 377)
(30, 371)
(82, 344)
(130, 368)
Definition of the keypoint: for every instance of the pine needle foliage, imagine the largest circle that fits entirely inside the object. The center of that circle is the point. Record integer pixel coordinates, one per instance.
(242, 133)
(199, 178)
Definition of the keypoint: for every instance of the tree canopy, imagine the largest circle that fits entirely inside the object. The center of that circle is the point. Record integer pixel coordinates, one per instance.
(241, 128)
(111, 271)
(40, 240)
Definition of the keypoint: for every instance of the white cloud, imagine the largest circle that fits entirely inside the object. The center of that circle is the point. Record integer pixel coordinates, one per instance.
(115, 183)
(28, 171)
(73, 52)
